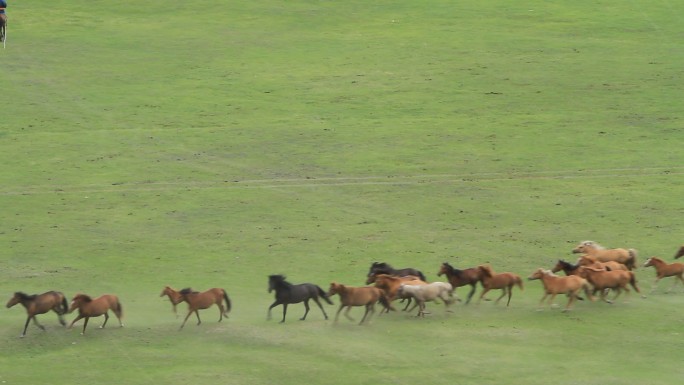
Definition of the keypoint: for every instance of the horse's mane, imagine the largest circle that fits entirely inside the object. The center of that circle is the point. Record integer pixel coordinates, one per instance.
(84, 297)
(279, 279)
(593, 244)
(187, 290)
(487, 270)
(567, 264)
(24, 296)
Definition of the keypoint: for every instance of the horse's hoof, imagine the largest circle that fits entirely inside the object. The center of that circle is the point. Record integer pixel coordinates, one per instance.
(22, 336)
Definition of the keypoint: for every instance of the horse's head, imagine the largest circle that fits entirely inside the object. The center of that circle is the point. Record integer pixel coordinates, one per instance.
(486, 270)
(78, 300)
(16, 298)
(653, 261)
(274, 281)
(335, 288)
(445, 268)
(538, 274)
(167, 291)
(583, 247)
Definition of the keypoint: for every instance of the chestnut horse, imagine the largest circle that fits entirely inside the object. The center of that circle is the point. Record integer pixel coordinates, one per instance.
(554, 285)
(458, 278)
(602, 279)
(664, 269)
(679, 253)
(174, 296)
(199, 301)
(350, 296)
(88, 307)
(625, 256)
(503, 281)
(426, 293)
(385, 268)
(40, 304)
(389, 284)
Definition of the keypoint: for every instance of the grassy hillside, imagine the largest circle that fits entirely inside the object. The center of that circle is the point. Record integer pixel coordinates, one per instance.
(208, 144)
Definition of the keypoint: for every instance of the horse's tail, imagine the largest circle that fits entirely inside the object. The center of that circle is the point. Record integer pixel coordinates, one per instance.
(519, 282)
(422, 276)
(63, 303)
(323, 295)
(631, 262)
(118, 309)
(228, 305)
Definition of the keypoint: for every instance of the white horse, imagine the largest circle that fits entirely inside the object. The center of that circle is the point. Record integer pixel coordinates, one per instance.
(426, 293)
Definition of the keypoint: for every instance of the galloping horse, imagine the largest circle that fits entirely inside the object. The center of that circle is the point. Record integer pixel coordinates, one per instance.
(602, 279)
(174, 296)
(664, 269)
(204, 300)
(588, 260)
(40, 304)
(554, 285)
(458, 278)
(389, 284)
(350, 296)
(503, 281)
(679, 253)
(287, 293)
(385, 268)
(3, 29)
(567, 267)
(427, 292)
(625, 256)
(88, 307)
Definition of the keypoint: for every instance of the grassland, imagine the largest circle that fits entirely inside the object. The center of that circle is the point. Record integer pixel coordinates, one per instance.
(210, 144)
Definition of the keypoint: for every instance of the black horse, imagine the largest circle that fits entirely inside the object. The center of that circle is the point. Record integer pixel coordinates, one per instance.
(287, 293)
(385, 268)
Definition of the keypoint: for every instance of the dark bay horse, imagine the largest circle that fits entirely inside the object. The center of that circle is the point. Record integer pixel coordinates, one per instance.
(385, 268)
(88, 307)
(40, 304)
(679, 253)
(567, 267)
(458, 278)
(287, 293)
(204, 300)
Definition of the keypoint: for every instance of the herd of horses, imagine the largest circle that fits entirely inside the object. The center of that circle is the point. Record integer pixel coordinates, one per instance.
(596, 273)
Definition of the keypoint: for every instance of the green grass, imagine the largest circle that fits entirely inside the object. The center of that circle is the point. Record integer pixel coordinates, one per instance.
(211, 144)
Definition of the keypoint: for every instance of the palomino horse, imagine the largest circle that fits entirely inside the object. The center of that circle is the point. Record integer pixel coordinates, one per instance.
(554, 285)
(389, 284)
(679, 253)
(40, 304)
(385, 268)
(503, 281)
(602, 279)
(625, 256)
(588, 260)
(174, 296)
(88, 307)
(287, 293)
(204, 300)
(458, 278)
(426, 293)
(664, 269)
(350, 296)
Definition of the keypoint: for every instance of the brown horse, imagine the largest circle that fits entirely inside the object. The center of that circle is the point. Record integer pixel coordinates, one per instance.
(554, 285)
(458, 278)
(567, 267)
(350, 296)
(625, 256)
(389, 284)
(679, 253)
(386, 268)
(3, 29)
(174, 296)
(588, 260)
(602, 279)
(664, 269)
(204, 300)
(40, 304)
(88, 307)
(503, 281)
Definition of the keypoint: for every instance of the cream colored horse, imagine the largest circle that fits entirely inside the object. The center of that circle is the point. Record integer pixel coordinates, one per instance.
(426, 293)
(625, 256)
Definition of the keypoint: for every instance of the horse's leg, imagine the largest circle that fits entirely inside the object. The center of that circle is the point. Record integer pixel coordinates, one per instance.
(284, 312)
(28, 319)
(60, 316)
(106, 314)
(85, 323)
(407, 303)
(320, 306)
(484, 291)
(274, 304)
(473, 286)
(221, 311)
(337, 315)
(74, 321)
(306, 310)
(365, 314)
(572, 294)
(199, 321)
(185, 320)
(541, 302)
(510, 294)
(655, 285)
(503, 293)
(346, 314)
(174, 309)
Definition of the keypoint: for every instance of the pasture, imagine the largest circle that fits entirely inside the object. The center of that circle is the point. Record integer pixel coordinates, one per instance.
(210, 144)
